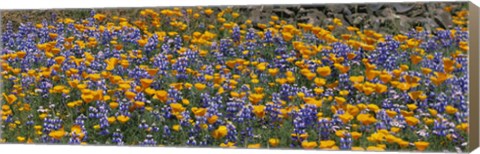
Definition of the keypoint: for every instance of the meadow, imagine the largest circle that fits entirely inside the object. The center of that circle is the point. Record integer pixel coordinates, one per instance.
(210, 77)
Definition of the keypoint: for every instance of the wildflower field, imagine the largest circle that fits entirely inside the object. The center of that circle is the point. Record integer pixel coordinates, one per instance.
(210, 77)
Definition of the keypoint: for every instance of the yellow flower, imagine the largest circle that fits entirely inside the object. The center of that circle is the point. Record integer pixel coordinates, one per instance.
(111, 119)
(301, 95)
(99, 17)
(208, 11)
(374, 148)
(259, 110)
(255, 98)
(358, 149)
(337, 21)
(37, 127)
(342, 68)
(391, 113)
(340, 100)
(421, 146)
(366, 118)
(57, 134)
(96, 127)
(415, 95)
(415, 59)
(356, 135)
(177, 108)
(123, 119)
(113, 105)
(368, 90)
(228, 145)
(327, 144)
(346, 117)
(274, 142)
(130, 95)
(412, 107)
(324, 71)
(403, 144)
(448, 65)
(273, 71)
(150, 91)
(146, 82)
(395, 129)
(412, 121)
(274, 18)
(200, 86)
(10, 98)
(382, 146)
(340, 133)
(380, 88)
(371, 74)
(373, 107)
(94, 77)
(262, 66)
(42, 116)
(462, 126)
(138, 104)
(357, 79)
(403, 86)
(428, 121)
(235, 15)
(254, 146)
(212, 119)
(161, 95)
(176, 127)
(385, 77)
(318, 90)
(20, 139)
(220, 132)
(439, 78)
(287, 36)
(78, 131)
(390, 138)
(199, 111)
(87, 98)
(320, 81)
(344, 92)
(309, 145)
(450, 109)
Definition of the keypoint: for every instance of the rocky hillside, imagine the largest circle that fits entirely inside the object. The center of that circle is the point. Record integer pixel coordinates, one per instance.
(387, 17)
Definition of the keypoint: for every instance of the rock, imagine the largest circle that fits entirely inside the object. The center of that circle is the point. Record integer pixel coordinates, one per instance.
(330, 14)
(444, 20)
(302, 10)
(309, 19)
(362, 9)
(387, 12)
(346, 12)
(401, 23)
(284, 12)
(430, 7)
(402, 8)
(358, 18)
(255, 15)
(266, 8)
(348, 19)
(357, 21)
(314, 6)
(374, 8)
(313, 16)
(336, 8)
(417, 11)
